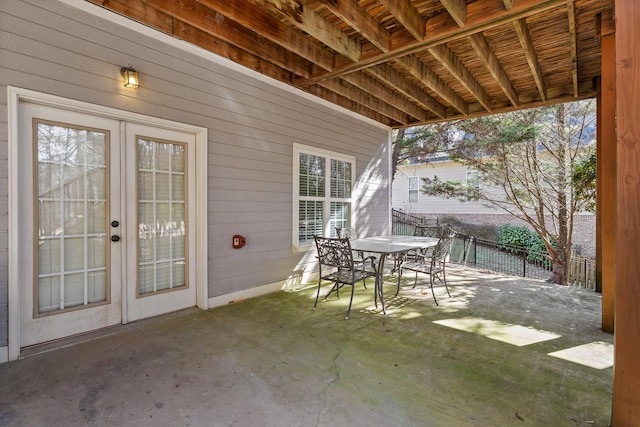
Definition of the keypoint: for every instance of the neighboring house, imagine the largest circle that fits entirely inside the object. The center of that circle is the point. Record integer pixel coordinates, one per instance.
(407, 197)
(121, 204)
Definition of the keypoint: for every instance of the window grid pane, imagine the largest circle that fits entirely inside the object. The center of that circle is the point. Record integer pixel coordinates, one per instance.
(312, 176)
(340, 179)
(310, 220)
(72, 204)
(414, 186)
(414, 183)
(340, 216)
(161, 216)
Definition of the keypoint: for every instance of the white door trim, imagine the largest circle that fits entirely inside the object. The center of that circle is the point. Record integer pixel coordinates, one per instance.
(14, 97)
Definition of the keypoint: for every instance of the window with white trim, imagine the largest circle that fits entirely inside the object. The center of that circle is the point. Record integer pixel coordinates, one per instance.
(473, 179)
(414, 188)
(322, 188)
(473, 184)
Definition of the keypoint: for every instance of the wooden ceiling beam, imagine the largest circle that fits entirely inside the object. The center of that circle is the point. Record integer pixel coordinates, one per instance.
(508, 4)
(488, 56)
(532, 58)
(422, 73)
(358, 19)
(457, 9)
(256, 52)
(206, 41)
(304, 18)
(482, 15)
(336, 99)
(452, 63)
(141, 12)
(408, 16)
(361, 97)
(387, 74)
(250, 16)
(571, 12)
(587, 90)
(373, 87)
(233, 33)
(605, 24)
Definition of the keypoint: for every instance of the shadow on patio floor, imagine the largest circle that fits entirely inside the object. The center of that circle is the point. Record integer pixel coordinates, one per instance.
(501, 351)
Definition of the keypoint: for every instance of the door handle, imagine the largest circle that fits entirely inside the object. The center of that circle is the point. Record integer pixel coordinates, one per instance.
(115, 238)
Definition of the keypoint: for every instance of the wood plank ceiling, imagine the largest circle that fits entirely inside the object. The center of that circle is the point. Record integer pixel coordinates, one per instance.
(401, 62)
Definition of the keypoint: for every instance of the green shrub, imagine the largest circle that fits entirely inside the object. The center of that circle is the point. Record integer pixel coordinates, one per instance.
(510, 236)
(514, 236)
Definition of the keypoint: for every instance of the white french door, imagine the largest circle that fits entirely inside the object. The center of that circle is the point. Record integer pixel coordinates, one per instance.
(105, 215)
(160, 240)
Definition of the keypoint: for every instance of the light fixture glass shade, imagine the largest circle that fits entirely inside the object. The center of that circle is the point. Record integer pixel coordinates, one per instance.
(130, 77)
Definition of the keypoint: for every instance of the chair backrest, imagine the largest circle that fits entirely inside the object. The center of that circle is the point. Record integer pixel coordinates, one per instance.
(424, 231)
(347, 233)
(334, 252)
(442, 248)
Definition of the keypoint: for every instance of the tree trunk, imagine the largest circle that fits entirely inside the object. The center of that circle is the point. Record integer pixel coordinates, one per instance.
(395, 154)
(562, 254)
(560, 263)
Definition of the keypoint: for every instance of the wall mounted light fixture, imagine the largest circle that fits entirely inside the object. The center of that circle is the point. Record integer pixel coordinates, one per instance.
(130, 77)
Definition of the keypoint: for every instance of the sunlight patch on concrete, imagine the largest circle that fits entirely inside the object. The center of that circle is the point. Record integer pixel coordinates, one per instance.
(511, 334)
(597, 355)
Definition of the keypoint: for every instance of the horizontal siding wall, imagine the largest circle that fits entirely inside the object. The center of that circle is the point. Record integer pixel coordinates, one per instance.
(52, 47)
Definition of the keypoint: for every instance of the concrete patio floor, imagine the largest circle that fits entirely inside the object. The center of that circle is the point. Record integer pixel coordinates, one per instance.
(481, 358)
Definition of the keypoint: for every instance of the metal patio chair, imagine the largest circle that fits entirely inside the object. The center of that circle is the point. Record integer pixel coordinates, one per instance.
(350, 233)
(432, 262)
(335, 259)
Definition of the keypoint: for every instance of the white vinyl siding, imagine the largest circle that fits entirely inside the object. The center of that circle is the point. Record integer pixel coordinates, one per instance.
(323, 184)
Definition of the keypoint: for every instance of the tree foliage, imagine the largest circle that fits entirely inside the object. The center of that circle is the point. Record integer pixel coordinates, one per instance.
(526, 162)
(419, 144)
(583, 176)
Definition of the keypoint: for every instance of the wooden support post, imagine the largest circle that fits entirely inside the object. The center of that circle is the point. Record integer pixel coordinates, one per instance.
(626, 375)
(606, 184)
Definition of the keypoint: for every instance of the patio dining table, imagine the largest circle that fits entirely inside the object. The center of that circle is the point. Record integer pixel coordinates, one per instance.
(396, 245)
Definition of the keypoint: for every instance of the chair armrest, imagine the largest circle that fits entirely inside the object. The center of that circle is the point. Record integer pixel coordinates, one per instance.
(373, 261)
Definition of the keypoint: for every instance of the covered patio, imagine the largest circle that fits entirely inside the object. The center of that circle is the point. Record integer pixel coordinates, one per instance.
(258, 85)
(502, 351)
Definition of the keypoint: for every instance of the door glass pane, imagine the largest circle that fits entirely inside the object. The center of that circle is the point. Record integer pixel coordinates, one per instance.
(162, 228)
(72, 222)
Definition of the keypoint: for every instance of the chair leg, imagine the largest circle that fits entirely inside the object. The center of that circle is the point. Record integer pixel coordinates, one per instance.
(444, 279)
(361, 255)
(335, 288)
(433, 294)
(317, 295)
(353, 287)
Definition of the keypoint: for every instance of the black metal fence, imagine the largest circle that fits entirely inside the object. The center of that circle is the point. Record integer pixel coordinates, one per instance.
(507, 259)
(405, 224)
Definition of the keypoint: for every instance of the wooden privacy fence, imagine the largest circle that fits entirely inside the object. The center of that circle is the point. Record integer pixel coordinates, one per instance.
(582, 272)
(517, 261)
